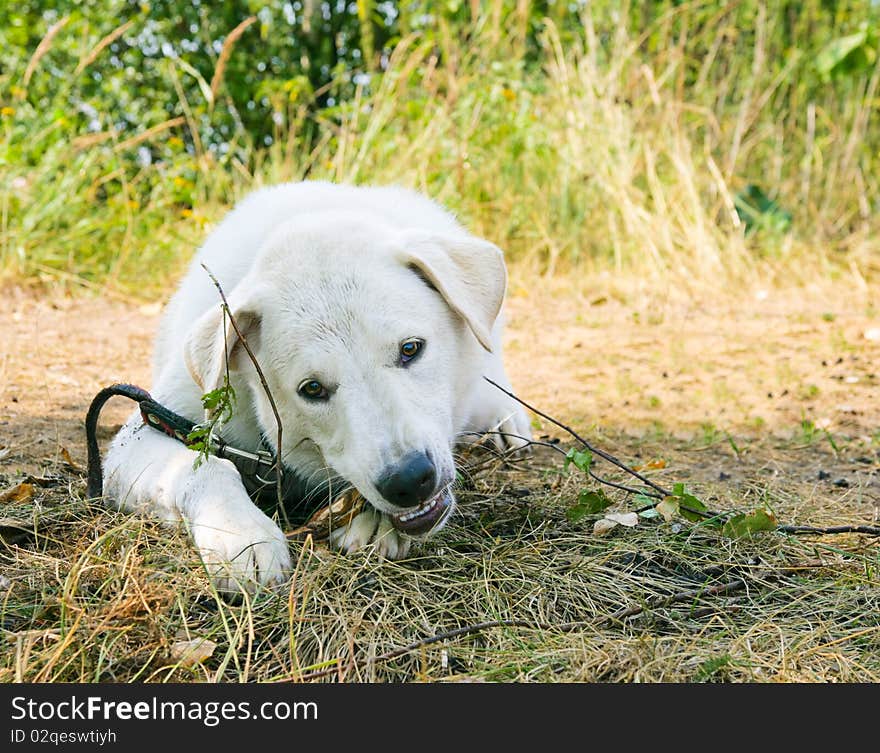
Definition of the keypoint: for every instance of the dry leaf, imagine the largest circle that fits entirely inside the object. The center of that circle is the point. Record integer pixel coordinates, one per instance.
(18, 494)
(601, 527)
(653, 465)
(628, 519)
(65, 455)
(668, 508)
(195, 651)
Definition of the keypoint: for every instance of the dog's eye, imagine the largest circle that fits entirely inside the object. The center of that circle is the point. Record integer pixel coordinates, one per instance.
(312, 389)
(409, 349)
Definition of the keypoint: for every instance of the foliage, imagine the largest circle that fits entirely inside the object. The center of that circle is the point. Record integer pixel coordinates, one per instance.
(580, 459)
(589, 502)
(219, 404)
(747, 523)
(571, 134)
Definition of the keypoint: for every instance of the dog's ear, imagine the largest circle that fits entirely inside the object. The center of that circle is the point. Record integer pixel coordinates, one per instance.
(467, 271)
(212, 343)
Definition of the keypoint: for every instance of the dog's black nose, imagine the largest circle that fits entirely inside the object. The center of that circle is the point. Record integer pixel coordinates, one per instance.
(409, 482)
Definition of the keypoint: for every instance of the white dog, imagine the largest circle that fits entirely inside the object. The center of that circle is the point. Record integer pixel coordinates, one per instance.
(374, 316)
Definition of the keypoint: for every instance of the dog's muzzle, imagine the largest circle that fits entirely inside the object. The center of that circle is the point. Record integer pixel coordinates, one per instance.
(411, 486)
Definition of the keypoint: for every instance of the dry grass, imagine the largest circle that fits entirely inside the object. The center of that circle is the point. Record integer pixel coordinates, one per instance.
(225, 53)
(99, 596)
(42, 48)
(622, 148)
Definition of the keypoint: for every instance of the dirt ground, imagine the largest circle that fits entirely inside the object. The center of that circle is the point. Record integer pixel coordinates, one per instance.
(801, 369)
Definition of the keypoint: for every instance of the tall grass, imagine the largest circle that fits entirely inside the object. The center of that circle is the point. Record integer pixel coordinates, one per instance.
(625, 147)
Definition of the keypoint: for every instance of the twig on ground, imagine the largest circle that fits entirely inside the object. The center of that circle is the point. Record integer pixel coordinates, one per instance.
(868, 530)
(706, 514)
(278, 467)
(556, 448)
(595, 450)
(721, 589)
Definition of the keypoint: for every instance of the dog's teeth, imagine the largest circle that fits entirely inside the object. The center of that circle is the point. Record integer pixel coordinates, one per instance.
(419, 511)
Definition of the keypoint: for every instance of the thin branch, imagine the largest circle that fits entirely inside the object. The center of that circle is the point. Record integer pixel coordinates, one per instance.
(595, 450)
(622, 487)
(707, 514)
(869, 530)
(278, 467)
(556, 448)
(503, 454)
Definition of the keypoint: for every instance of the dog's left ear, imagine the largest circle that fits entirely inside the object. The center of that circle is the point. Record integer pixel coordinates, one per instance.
(467, 271)
(212, 342)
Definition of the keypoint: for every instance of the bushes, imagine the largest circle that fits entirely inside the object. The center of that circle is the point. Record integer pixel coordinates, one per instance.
(568, 136)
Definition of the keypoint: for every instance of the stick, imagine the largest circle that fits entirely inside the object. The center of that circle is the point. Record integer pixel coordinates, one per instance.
(869, 530)
(278, 480)
(707, 514)
(534, 443)
(595, 450)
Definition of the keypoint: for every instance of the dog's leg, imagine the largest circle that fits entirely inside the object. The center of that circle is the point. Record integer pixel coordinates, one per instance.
(495, 413)
(148, 472)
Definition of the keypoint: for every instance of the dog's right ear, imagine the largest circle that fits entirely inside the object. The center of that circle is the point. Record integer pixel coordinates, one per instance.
(213, 345)
(468, 272)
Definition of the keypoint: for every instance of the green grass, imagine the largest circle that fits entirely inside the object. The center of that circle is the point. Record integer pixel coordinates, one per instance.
(623, 145)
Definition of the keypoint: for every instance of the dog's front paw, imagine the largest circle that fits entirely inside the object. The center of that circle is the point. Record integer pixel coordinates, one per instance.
(371, 527)
(241, 548)
(507, 428)
(514, 431)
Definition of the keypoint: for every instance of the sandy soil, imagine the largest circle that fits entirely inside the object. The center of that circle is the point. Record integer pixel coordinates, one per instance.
(760, 363)
(758, 366)
(57, 353)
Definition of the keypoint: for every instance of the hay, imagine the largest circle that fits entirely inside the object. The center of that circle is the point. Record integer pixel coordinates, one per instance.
(98, 595)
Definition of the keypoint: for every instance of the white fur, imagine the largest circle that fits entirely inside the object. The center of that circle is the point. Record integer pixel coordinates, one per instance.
(326, 280)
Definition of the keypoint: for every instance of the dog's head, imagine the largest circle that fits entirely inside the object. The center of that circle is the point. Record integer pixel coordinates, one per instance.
(370, 339)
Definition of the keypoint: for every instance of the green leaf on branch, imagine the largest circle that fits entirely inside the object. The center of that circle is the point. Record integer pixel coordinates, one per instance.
(689, 506)
(747, 523)
(219, 402)
(218, 405)
(589, 503)
(580, 459)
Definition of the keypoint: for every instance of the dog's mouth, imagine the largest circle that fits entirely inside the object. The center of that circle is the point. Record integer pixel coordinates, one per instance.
(421, 520)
